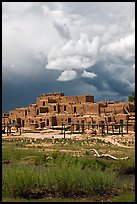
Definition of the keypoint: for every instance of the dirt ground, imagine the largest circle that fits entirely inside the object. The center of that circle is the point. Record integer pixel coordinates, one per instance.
(124, 141)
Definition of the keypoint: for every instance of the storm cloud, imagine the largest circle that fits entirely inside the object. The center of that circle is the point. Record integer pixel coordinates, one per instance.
(90, 45)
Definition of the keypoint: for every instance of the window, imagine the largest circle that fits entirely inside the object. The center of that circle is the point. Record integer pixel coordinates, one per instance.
(121, 122)
(64, 108)
(44, 110)
(47, 122)
(69, 120)
(54, 108)
(43, 103)
(74, 109)
(25, 112)
(109, 119)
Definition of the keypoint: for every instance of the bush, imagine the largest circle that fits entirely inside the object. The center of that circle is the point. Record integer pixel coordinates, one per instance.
(57, 180)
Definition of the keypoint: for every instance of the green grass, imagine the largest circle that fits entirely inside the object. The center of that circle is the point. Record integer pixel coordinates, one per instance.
(50, 199)
(65, 180)
(13, 154)
(125, 197)
(35, 173)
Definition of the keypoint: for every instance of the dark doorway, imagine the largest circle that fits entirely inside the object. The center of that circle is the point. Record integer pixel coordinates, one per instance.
(42, 124)
(19, 121)
(22, 123)
(74, 109)
(77, 126)
(54, 121)
(47, 122)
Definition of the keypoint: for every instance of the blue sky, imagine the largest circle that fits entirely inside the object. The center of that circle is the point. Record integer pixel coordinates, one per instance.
(73, 47)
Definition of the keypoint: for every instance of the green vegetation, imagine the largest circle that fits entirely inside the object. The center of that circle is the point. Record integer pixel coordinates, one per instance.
(36, 174)
(61, 180)
(132, 97)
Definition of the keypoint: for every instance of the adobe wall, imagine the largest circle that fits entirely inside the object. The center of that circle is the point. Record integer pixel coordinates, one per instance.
(5, 119)
(53, 109)
(91, 108)
(77, 99)
(12, 114)
(112, 110)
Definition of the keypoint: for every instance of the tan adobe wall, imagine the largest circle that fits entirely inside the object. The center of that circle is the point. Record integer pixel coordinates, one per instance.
(20, 112)
(91, 108)
(77, 99)
(71, 108)
(12, 114)
(79, 109)
(112, 110)
(31, 112)
(121, 117)
(4, 119)
(53, 109)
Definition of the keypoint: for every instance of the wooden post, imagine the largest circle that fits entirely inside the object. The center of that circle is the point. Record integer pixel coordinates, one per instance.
(122, 130)
(121, 123)
(72, 128)
(113, 129)
(20, 130)
(119, 128)
(102, 129)
(7, 130)
(107, 128)
(82, 127)
(79, 127)
(62, 128)
(64, 131)
(127, 126)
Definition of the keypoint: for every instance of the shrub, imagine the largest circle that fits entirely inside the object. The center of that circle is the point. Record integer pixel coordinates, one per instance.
(63, 180)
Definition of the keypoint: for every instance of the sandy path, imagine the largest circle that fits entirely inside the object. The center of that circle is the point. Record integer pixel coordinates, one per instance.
(113, 139)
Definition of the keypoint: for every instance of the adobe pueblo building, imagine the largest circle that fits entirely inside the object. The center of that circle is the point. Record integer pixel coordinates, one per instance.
(52, 110)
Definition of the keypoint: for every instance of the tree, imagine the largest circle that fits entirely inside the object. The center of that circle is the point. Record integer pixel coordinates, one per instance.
(132, 97)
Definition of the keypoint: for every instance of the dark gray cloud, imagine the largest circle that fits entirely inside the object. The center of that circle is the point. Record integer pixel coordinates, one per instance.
(112, 80)
(74, 47)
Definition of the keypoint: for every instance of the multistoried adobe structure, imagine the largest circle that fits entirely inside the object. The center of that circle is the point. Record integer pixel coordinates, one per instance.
(55, 109)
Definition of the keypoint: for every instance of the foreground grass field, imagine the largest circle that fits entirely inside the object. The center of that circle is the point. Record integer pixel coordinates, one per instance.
(65, 172)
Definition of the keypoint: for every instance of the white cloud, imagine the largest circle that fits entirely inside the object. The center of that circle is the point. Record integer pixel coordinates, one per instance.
(58, 19)
(88, 74)
(74, 54)
(67, 75)
(124, 47)
(69, 36)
